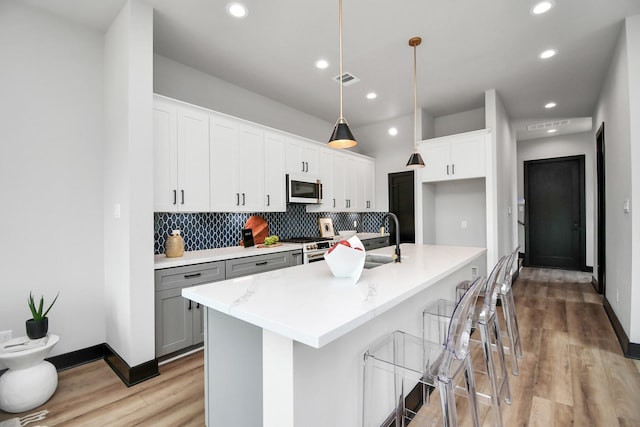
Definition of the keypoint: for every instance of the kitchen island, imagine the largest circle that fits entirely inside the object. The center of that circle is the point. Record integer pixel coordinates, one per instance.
(285, 348)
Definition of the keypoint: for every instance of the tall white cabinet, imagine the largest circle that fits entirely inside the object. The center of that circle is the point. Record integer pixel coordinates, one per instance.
(181, 158)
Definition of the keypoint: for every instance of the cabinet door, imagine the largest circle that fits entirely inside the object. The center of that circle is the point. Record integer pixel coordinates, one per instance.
(249, 168)
(468, 157)
(295, 258)
(274, 175)
(174, 321)
(165, 157)
(310, 155)
(325, 173)
(197, 311)
(436, 157)
(369, 185)
(339, 176)
(350, 180)
(193, 160)
(224, 137)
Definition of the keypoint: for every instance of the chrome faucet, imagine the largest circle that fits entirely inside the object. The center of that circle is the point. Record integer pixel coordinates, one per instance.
(395, 219)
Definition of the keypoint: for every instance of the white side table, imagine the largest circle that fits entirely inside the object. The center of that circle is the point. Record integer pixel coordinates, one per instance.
(30, 380)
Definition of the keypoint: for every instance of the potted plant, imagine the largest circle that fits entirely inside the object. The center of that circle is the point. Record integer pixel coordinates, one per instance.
(38, 326)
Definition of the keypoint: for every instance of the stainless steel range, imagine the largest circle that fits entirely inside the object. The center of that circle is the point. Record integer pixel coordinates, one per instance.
(313, 248)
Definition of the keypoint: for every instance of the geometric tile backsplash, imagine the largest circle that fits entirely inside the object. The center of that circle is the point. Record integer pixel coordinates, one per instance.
(208, 230)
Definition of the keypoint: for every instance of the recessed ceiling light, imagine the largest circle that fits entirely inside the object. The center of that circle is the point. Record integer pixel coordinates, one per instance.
(372, 95)
(550, 105)
(548, 53)
(237, 10)
(542, 7)
(322, 64)
(552, 130)
(393, 131)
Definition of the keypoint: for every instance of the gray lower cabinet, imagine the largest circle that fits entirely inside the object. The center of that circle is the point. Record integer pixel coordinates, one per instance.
(257, 264)
(179, 322)
(295, 258)
(375, 243)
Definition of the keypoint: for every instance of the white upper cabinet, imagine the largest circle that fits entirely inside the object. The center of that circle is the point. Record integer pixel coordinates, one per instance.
(181, 158)
(210, 162)
(237, 165)
(274, 176)
(458, 156)
(365, 184)
(301, 157)
(325, 174)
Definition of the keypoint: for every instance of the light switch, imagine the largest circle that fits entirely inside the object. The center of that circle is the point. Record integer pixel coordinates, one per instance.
(625, 206)
(463, 225)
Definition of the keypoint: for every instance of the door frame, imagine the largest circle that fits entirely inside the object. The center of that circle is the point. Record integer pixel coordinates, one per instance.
(601, 206)
(583, 229)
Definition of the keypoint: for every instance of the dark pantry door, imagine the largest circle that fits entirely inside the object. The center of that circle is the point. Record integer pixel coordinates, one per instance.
(401, 203)
(555, 213)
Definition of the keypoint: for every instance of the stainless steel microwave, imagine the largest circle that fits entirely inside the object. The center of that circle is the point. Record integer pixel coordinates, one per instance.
(303, 190)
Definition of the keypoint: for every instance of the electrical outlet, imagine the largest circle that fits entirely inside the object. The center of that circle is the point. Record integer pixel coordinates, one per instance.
(355, 223)
(474, 272)
(5, 336)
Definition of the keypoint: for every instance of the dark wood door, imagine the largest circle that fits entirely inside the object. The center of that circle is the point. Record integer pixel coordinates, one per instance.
(555, 213)
(401, 203)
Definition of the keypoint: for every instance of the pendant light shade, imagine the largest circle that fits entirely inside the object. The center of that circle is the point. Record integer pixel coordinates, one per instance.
(341, 136)
(415, 161)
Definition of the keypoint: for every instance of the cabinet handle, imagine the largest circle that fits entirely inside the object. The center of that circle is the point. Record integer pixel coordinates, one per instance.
(261, 263)
(242, 199)
(189, 308)
(237, 199)
(306, 166)
(268, 200)
(192, 276)
(334, 203)
(175, 197)
(302, 166)
(447, 169)
(453, 169)
(182, 196)
(198, 306)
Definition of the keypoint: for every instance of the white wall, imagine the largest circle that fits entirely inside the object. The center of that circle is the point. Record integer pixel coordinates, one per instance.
(614, 108)
(504, 153)
(561, 146)
(187, 84)
(128, 166)
(464, 121)
(51, 173)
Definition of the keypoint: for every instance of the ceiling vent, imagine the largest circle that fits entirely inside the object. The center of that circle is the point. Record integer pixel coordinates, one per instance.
(347, 79)
(548, 125)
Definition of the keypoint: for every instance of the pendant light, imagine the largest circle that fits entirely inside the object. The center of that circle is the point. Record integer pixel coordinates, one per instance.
(341, 136)
(415, 161)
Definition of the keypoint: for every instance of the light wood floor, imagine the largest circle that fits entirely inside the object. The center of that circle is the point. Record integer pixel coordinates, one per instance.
(572, 373)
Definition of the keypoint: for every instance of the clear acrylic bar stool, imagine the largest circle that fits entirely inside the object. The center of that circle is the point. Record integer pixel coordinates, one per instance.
(401, 371)
(509, 310)
(486, 320)
(507, 303)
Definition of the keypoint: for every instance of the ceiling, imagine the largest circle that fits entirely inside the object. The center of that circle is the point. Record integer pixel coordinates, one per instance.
(468, 46)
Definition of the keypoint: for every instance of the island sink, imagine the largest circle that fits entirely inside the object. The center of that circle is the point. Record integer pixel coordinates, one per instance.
(376, 260)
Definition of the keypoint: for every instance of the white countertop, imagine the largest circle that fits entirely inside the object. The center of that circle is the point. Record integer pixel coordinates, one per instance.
(232, 252)
(307, 304)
